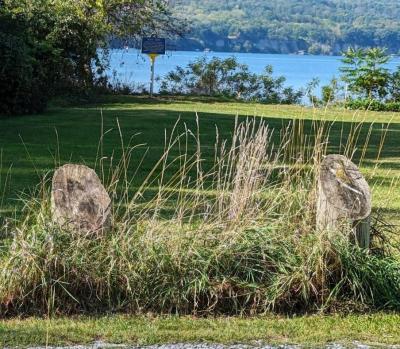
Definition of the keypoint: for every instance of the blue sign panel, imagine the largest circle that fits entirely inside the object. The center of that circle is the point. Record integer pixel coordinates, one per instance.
(153, 46)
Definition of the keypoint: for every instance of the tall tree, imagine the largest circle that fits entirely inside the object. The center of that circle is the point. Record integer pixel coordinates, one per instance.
(365, 72)
(74, 30)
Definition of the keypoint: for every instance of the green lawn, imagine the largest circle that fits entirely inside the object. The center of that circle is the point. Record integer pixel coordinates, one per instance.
(30, 143)
(30, 146)
(312, 331)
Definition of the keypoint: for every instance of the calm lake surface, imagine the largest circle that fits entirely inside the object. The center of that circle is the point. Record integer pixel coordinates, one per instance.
(131, 67)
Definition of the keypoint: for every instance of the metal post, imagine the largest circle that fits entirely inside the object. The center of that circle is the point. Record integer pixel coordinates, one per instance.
(153, 59)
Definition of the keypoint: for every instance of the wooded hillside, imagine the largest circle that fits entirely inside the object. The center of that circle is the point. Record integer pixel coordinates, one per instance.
(290, 26)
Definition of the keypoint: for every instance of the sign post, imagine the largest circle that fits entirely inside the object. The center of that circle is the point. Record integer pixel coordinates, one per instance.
(153, 47)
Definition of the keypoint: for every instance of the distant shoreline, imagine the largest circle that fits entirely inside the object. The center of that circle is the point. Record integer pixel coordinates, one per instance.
(171, 50)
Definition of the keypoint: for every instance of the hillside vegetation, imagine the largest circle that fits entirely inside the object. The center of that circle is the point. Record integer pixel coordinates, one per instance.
(290, 26)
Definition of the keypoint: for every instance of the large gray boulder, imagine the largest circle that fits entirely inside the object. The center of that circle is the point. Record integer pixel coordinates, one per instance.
(79, 201)
(344, 198)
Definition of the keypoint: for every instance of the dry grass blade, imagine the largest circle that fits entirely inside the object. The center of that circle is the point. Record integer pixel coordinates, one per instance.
(232, 236)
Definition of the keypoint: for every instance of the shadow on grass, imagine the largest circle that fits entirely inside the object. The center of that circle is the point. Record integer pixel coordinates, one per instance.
(31, 143)
(140, 99)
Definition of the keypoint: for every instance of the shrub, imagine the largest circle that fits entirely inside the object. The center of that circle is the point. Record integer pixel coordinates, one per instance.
(229, 78)
(373, 104)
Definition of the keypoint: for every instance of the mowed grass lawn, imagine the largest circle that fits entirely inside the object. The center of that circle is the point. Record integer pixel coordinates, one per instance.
(29, 145)
(311, 331)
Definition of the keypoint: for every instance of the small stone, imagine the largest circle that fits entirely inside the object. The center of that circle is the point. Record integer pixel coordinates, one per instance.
(79, 201)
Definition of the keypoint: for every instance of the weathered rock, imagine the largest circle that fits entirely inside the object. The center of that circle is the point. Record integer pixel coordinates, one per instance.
(79, 200)
(343, 197)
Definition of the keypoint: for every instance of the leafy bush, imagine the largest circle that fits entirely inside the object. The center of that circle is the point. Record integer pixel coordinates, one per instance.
(228, 77)
(373, 104)
(25, 75)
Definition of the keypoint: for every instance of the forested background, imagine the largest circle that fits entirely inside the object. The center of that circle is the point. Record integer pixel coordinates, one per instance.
(289, 26)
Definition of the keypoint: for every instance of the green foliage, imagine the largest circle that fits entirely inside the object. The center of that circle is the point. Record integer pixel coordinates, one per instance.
(26, 68)
(227, 77)
(310, 91)
(56, 44)
(289, 26)
(329, 92)
(373, 104)
(211, 77)
(366, 82)
(365, 73)
(394, 85)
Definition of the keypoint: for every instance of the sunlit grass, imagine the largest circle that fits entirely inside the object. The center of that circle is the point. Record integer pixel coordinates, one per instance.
(31, 142)
(194, 240)
(222, 229)
(312, 331)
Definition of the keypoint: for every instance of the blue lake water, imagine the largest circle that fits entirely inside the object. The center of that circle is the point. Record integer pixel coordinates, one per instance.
(131, 67)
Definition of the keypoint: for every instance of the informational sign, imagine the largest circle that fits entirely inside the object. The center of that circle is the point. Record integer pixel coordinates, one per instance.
(153, 46)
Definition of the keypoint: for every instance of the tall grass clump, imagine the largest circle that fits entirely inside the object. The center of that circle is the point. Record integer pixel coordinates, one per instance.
(231, 235)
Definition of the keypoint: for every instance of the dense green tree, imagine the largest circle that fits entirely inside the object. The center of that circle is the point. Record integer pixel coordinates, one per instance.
(366, 82)
(27, 67)
(365, 73)
(70, 33)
